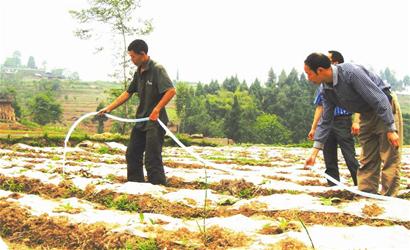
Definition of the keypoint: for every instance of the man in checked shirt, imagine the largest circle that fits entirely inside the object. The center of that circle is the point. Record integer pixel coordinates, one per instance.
(340, 135)
(358, 90)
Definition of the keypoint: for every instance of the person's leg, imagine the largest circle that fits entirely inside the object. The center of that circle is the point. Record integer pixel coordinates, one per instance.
(391, 167)
(345, 140)
(330, 157)
(368, 174)
(134, 156)
(153, 155)
(391, 156)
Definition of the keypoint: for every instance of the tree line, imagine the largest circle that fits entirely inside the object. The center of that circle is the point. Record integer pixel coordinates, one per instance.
(278, 111)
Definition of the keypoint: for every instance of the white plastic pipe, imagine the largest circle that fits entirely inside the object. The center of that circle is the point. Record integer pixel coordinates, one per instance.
(207, 163)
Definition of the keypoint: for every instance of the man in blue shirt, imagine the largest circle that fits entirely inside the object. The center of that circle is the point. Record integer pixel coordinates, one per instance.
(340, 134)
(358, 90)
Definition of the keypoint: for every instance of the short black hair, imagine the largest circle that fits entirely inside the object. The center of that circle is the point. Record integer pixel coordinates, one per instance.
(138, 46)
(316, 60)
(336, 56)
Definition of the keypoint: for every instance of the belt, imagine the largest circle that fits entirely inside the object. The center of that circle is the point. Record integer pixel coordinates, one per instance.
(342, 117)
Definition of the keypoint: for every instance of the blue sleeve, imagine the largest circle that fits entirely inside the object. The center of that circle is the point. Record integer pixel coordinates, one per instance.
(318, 99)
(325, 123)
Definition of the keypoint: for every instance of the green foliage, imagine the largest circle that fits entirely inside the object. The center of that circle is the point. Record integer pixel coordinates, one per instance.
(143, 244)
(271, 83)
(52, 86)
(142, 217)
(14, 61)
(44, 108)
(389, 76)
(329, 201)
(100, 119)
(231, 84)
(31, 63)
(279, 113)
(122, 111)
(12, 186)
(283, 224)
(103, 150)
(232, 121)
(246, 193)
(121, 203)
(269, 130)
(406, 128)
(110, 177)
(11, 93)
(121, 19)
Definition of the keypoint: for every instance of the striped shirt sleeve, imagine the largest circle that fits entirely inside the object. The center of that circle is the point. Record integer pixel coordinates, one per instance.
(374, 96)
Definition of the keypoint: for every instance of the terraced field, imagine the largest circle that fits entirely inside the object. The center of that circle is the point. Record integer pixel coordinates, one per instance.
(257, 198)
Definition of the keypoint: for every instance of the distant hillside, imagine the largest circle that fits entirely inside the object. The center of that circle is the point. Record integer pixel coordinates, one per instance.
(76, 97)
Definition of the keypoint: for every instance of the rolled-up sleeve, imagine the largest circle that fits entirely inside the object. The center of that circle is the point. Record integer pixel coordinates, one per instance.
(164, 82)
(325, 123)
(133, 88)
(374, 96)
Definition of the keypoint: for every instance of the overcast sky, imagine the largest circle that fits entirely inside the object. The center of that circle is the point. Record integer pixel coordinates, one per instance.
(213, 39)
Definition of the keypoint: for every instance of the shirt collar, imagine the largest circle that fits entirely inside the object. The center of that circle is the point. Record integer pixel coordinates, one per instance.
(334, 75)
(334, 70)
(145, 66)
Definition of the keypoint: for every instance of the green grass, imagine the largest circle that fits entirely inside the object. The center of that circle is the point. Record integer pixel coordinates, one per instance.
(121, 203)
(246, 193)
(103, 150)
(172, 114)
(110, 177)
(404, 101)
(329, 201)
(143, 244)
(283, 224)
(12, 186)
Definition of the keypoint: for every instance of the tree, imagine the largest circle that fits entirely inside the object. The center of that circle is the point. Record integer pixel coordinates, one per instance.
(243, 86)
(53, 86)
(58, 73)
(73, 76)
(219, 105)
(119, 17)
(282, 78)
(12, 93)
(121, 127)
(390, 77)
(232, 121)
(183, 98)
(269, 130)
(292, 103)
(44, 108)
(231, 84)
(248, 113)
(199, 90)
(406, 81)
(14, 61)
(256, 91)
(31, 63)
(271, 82)
(212, 88)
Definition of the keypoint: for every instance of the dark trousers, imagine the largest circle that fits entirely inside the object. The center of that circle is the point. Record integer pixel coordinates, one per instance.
(340, 135)
(150, 142)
